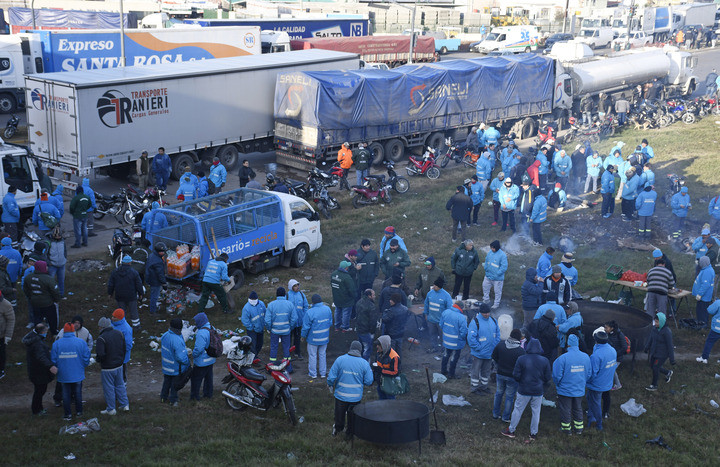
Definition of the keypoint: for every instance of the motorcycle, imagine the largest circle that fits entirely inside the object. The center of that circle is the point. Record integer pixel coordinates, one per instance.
(319, 194)
(547, 133)
(244, 383)
(110, 205)
(424, 166)
(676, 183)
(11, 127)
(122, 243)
(135, 205)
(26, 244)
(373, 191)
(458, 153)
(398, 183)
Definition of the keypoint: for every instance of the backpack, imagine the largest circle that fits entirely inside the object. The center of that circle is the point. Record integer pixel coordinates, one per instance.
(215, 347)
(49, 220)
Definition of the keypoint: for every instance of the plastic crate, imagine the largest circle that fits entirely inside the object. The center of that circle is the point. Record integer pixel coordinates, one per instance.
(614, 272)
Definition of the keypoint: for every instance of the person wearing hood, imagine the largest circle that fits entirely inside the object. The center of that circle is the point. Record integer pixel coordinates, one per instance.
(508, 157)
(387, 364)
(538, 216)
(572, 326)
(508, 196)
(532, 172)
(70, 355)
(317, 322)
(607, 188)
(368, 265)
(119, 323)
(714, 333)
(532, 373)
(460, 205)
(483, 336)
(453, 324)
(45, 207)
(394, 258)
(558, 198)
(126, 287)
(483, 169)
(556, 287)
(680, 204)
(202, 372)
(544, 329)
(57, 257)
(505, 355)
(543, 168)
(44, 295)
(7, 325)
(436, 301)
(703, 290)
(142, 169)
(300, 302)
(14, 258)
(253, 318)
(495, 265)
(347, 376)
(531, 292)
(647, 178)
(495, 188)
(343, 293)
(41, 370)
(280, 318)
(388, 235)
(216, 274)
(603, 363)
(660, 348)
(645, 205)
(614, 157)
(11, 213)
(187, 190)
(79, 206)
(562, 164)
(593, 162)
(217, 176)
(110, 355)
(571, 372)
(153, 220)
(161, 167)
(175, 360)
(476, 191)
(569, 271)
(464, 263)
(203, 186)
(427, 278)
(544, 263)
(713, 212)
(90, 193)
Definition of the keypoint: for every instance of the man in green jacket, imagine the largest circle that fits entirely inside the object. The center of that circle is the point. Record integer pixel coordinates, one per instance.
(394, 257)
(361, 161)
(464, 262)
(79, 209)
(343, 291)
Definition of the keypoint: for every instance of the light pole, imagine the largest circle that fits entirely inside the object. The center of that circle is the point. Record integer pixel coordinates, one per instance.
(122, 35)
(412, 26)
(32, 7)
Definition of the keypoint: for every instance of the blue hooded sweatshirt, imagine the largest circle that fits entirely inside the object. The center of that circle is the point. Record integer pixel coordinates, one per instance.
(123, 326)
(174, 356)
(454, 328)
(280, 317)
(560, 315)
(483, 168)
(630, 187)
(316, 324)
(573, 321)
(531, 291)
(154, 221)
(89, 193)
(543, 169)
(713, 208)
(680, 203)
(299, 301)
(714, 316)
(14, 257)
(57, 199)
(187, 189)
(703, 285)
(539, 210)
(483, 339)
(70, 355)
(495, 188)
(572, 370)
(544, 265)
(603, 362)
(593, 165)
(508, 197)
(477, 193)
(11, 210)
(607, 182)
(496, 265)
(216, 271)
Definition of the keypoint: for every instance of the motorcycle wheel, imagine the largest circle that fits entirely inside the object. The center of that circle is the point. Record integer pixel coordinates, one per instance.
(611, 130)
(237, 390)
(128, 217)
(356, 201)
(334, 203)
(9, 132)
(322, 207)
(387, 197)
(289, 404)
(445, 161)
(118, 260)
(433, 173)
(98, 215)
(595, 138)
(688, 118)
(401, 185)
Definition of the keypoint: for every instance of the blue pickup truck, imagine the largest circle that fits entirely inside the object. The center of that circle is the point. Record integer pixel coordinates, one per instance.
(444, 40)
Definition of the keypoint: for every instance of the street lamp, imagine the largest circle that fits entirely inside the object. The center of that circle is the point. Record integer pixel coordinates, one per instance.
(122, 35)
(412, 26)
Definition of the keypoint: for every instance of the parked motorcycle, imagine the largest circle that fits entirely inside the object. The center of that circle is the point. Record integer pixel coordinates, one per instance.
(135, 205)
(107, 205)
(547, 133)
(26, 244)
(424, 166)
(676, 182)
(458, 153)
(244, 383)
(374, 190)
(122, 243)
(11, 127)
(399, 183)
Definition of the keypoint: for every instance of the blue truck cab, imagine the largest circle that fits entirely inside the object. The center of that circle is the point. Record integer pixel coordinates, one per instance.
(257, 229)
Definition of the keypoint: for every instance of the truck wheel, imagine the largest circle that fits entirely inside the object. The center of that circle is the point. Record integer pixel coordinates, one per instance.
(443, 50)
(395, 150)
(528, 128)
(228, 156)
(7, 103)
(435, 141)
(300, 255)
(120, 171)
(528, 50)
(239, 277)
(378, 153)
(179, 162)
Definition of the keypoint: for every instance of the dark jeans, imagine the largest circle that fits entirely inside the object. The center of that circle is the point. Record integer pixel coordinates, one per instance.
(606, 400)
(342, 408)
(219, 293)
(537, 232)
(50, 313)
(679, 226)
(608, 204)
(701, 313)
(200, 373)
(275, 341)
(257, 338)
(709, 343)
(11, 228)
(496, 210)
(628, 207)
(296, 340)
(366, 340)
(449, 361)
(38, 393)
(622, 118)
(594, 408)
(465, 281)
(570, 410)
(505, 216)
(657, 368)
(383, 395)
(70, 390)
(475, 211)
(168, 389)
(81, 231)
(542, 179)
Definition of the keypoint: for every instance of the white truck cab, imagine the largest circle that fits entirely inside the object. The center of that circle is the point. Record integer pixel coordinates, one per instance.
(513, 38)
(20, 54)
(274, 41)
(302, 225)
(19, 170)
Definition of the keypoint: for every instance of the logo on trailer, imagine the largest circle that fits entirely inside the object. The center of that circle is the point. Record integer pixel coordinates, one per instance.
(356, 29)
(41, 101)
(114, 109)
(38, 99)
(249, 40)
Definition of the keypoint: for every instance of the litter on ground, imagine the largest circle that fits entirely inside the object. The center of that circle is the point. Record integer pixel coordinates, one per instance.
(457, 401)
(632, 408)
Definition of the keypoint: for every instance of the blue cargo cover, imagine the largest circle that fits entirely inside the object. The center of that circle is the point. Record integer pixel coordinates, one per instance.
(376, 104)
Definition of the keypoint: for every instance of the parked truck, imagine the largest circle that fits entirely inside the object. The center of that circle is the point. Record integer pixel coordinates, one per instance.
(103, 119)
(21, 170)
(415, 106)
(258, 230)
(392, 50)
(52, 51)
(297, 28)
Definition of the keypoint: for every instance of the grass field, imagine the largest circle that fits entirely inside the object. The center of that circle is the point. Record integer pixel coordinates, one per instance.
(211, 433)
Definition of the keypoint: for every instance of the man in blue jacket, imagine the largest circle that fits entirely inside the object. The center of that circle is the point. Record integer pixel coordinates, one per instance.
(680, 204)
(253, 318)
(14, 259)
(280, 319)
(571, 371)
(161, 167)
(562, 164)
(300, 302)
(531, 293)
(454, 334)
(645, 205)
(607, 188)
(593, 163)
(57, 199)
(153, 220)
(570, 326)
(544, 263)
(119, 323)
(70, 355)
(603, 362)
(483, 336)
(175, 360)
(542, 156)
(346, 379)
(187, 191)
(703, 290)
(90, 193)
(216, 272)
(203, 186)
(714, 333)
(713, 212)
(538, 216)
(44, 206)
(495, 265)
(11, 213)
(495, 186)
(316, 331)
(483, 169)
(629, 194)
(217, 177)
(508, 195)
(477, 194)
(202, 372)
(437, 301)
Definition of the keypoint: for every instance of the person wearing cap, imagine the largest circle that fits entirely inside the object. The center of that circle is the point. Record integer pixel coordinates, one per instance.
(505, 355)
(460, 206)
(659, 282)
(217, 176)
(544, 329)
(253, 318)
(476, 191)
(162, 167)
(538, 216)
(119, 323)
(699, 244)
(593, 162)
(344, 293)
(202, 372)
(543, 168)
(607, 189)
(44, 295)
(7, 286)
(703, 290)
(79, 206)
(70, 355)
(7, 326)
(427, 277)
(394, 318)
(483, 335)
(388, 235)
(316, 331)
(45, 210)
(483, 169)
(175, 360)
(126, 287)
(645, 205)
(11, 213)
(367, 319)
(280, 318)
(345, 158)
(300, 302)
(187, 190)
(348, 374)
(603, 363)
(680, 204)
(531, 292)
(464, 262)
(362, 158)
(387, 364)
(556, 287)
(40, 367)
(153, 220)
(508, 196)
(216, 274)
(142, 170)
(495, 186)
(571, 372)
(495, 266)
(367, 264)
(394, 258)
(569, 271)
(437, 300)
(659, 348)
(544, 263)
(453, 324)
(558, 198)
(111, 354)
(562, 164)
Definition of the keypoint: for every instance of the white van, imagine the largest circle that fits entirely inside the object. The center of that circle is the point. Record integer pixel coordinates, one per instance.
(596, 38)
(513, 38)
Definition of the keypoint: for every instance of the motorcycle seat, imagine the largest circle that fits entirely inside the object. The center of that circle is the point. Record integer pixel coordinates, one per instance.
(252, 374)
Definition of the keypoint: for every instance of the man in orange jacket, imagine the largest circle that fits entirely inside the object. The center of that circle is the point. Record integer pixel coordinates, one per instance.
(387, 364)
(345, 158)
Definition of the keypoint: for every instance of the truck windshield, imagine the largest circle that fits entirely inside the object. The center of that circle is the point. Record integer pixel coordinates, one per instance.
(16, 172)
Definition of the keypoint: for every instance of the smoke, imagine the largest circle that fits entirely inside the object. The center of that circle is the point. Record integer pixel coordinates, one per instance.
(518, 245)
(564, 244)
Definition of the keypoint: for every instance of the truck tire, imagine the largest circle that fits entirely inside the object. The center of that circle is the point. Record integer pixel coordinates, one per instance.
(436, 141)
(8, 103)
(443, 50)
(528, 128)
(378, 153)
(239, 277)
(395, 150)
(120, 171)
(228, 155)
(300, 255)
(179, 162)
